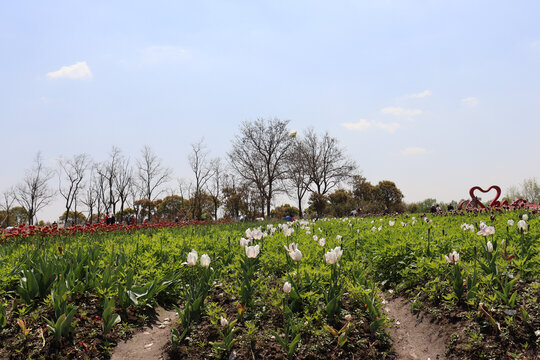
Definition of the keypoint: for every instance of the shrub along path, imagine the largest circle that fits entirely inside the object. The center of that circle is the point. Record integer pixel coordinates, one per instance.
(415, 336)
(149, 343)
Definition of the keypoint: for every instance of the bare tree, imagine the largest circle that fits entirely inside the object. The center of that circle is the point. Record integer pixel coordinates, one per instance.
(258, 155)
(531, 190)
(216, 184)
(8, 198)
(92, 194)
(123, 181)
(325, 161)
(202, 170)
(34, 193)
(297, 174)
(151, 174)
(71, 173)
(108, 170)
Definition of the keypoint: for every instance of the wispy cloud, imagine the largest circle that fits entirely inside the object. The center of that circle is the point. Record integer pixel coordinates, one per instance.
(414, 150)
(364, 124)
(77, 71)
(399, 111)
(163, 54)
(535, 44)
(419, 95)
(470, 101)
(389, 127)
(361, 125)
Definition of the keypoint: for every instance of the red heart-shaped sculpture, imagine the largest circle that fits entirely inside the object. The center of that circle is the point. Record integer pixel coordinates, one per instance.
(494, 203)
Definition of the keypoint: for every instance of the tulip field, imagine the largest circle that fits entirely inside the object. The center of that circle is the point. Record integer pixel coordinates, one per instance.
(296, 290)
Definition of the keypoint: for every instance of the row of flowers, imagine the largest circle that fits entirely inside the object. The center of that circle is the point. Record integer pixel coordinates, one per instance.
(23, 231)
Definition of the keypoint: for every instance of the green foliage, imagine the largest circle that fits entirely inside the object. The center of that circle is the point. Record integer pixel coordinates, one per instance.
(108, 317)
(63, 326)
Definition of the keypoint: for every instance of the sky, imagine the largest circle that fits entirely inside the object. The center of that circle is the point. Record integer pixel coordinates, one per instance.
(437, 96)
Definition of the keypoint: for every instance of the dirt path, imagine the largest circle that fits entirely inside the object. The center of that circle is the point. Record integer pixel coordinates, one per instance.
(149, 343)
(415, 336)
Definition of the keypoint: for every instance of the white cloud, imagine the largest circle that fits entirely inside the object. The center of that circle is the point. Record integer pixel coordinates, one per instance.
(535, 44)
(161, 54)
(361, 125)
(399, 111)
(77, 71)
(470, 101)
(422, 94)
(391, 127)
(414, 150)
(364, 124)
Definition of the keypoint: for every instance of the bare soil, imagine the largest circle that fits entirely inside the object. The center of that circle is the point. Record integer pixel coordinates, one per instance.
(149, 343)
(415, 336)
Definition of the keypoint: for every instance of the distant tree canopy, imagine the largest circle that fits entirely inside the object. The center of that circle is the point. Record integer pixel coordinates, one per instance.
(529, 189)
(284, 210)
(75, 217)
(385, 196)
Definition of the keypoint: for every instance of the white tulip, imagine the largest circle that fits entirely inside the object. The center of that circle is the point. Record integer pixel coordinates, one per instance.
(224, 322)
(287, 287)
(330, 257)
(192, 258)
(510, 222)
(453, 257)
(244, 242)
(522, 225)
(338, 252)
(489, 247)
(322, 241)
(257, 234)
(252, 251)
(205, 260)
(525, 217)
(391, 223)
(296, 255)
(486, 230)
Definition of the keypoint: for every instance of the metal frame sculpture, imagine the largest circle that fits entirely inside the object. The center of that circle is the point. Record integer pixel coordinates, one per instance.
(475, 202)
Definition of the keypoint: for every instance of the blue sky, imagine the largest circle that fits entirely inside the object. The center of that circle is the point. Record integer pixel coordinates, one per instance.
(436, 96)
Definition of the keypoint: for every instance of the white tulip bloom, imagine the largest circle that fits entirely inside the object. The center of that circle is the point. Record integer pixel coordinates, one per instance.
(244, 242)
(191, 258)
(288, 232)
(296, 255)
(338, 252)
(486, 230)
(322, 241)
(489, 247)
(257, 234)
(330, 257)
(252, 251)
(287, 287)
(453, 257)
(522, 225)
(510, 222)
(223, 322)
(525, 217)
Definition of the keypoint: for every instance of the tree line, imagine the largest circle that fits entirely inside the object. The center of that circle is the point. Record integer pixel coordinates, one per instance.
(266, 159)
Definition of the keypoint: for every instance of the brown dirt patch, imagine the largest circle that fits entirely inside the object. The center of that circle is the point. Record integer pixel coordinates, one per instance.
(415, 336)
(150, 341)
